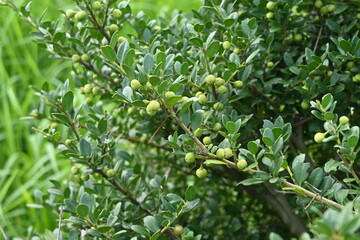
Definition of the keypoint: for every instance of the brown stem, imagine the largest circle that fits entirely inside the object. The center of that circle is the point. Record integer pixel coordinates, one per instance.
(96, 23)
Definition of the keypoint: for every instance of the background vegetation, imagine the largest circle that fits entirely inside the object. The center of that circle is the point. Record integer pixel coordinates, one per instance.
(27, 162)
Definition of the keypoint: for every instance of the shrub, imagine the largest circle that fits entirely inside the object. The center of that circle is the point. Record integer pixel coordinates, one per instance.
(222, 94)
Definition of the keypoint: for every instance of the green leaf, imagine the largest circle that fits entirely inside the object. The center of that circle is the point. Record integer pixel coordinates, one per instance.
(345, 45)
(326, 101)
(252, 55)
(191, 205)
(275, 236)
(300, 168)
(141, 230)
(251, 181)
(82, 210)
(151, 224)
(148, 63)
(171, 101)
(85, 148)
(196, 119)
(190, 193)
(252, 147)
(230, 127)
(213, 49)
(316, 177)
(67, 101)
(196, 42)
(123, 50)
(353, 141)
(88, 200)
(109, 53)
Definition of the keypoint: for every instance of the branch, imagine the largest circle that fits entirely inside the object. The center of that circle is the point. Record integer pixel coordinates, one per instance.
(3, 233)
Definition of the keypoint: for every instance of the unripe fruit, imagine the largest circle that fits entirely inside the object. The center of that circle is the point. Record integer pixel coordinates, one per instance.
(85, 177)
(210, 79)
(237, 50)
(179, 230)
(96, 5)
(135, 84)
(344, 120)
(87, 88)
(270, 5)
(330, 7)
(116, 13)
(241, 164)
(238, 84)
(111, 173)
(298, 37)
(228, 153)
(95, 90)
(270, 65)
(152, 107)
(68, 142)
(198, 132)
(190, 157)
(202, 99)
(80, 15)
(217, 127)
(85, 58)
(226, 45)
(305, 105)
(218, 106)
(207, 140)
(75, 170)
(131, 110)
(75, 58)
(356, 78)
(89, 100)
(70, 13)
(142, 112)
(270, 15)
(198, 94)
(53, 125)
(358, 16)
(329, 73)
(350, 64)
(201, 172)
(169, 94)
(121, 39)
(183, 99)
(319, 137)
(220, 153)
(113, 27)
(222, 90)
(219, 81)
(324, 10)
(318, 4)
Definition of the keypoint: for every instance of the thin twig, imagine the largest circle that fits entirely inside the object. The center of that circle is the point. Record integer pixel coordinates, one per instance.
(59, 236)
(3, 233)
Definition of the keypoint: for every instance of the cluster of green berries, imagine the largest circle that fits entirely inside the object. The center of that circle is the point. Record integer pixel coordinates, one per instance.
(270, 6)
(319, 137)
(91, 91)
(83, 58)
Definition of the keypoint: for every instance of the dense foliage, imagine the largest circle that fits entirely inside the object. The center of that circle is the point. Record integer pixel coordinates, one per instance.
(199, 126)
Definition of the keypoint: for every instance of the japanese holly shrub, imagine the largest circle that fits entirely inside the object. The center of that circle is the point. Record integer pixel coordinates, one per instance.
(238, 120)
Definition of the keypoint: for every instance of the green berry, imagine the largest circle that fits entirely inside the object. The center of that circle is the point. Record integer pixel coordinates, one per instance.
(85, 177)
(298, 37)
(75, 170)
(319, 137)
(344, 120)
(89, 100)
(184, 99)
(95, 90)
(198, 94)
(87, 88)
(318, 4)
(241, 164)
(202, 99)
(113, 27)
(85, 58)
(210, 79)
(75, 58)
(70, 13)
(222, 90)
(190, 157)
(131, 110)
(152, 107)
(330, 7)
(270, 5)
(350, 64)
(226, 45)
(228, 153)
(135, 84)
(96, 5)
(207, 140)
(201, 172)
(179, 230)
(324, 10)
(356, 78)
(198, 132)
(111, 173)
(219, 81)
(80, 15)
(121, 39)
(329, 73)
(217, 127)
(270, 15)
(68, 142)
(218, 106)
(169, 94)
(270, 65)
(238, 84)
(116, 13)
(220, 153)
(237, 50)
(358, 16)
(305, 105)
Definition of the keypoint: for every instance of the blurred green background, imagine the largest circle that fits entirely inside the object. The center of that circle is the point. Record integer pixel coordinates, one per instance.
(27, 161)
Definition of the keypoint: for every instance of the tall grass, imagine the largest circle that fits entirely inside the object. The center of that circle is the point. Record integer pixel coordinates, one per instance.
(27, 162)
